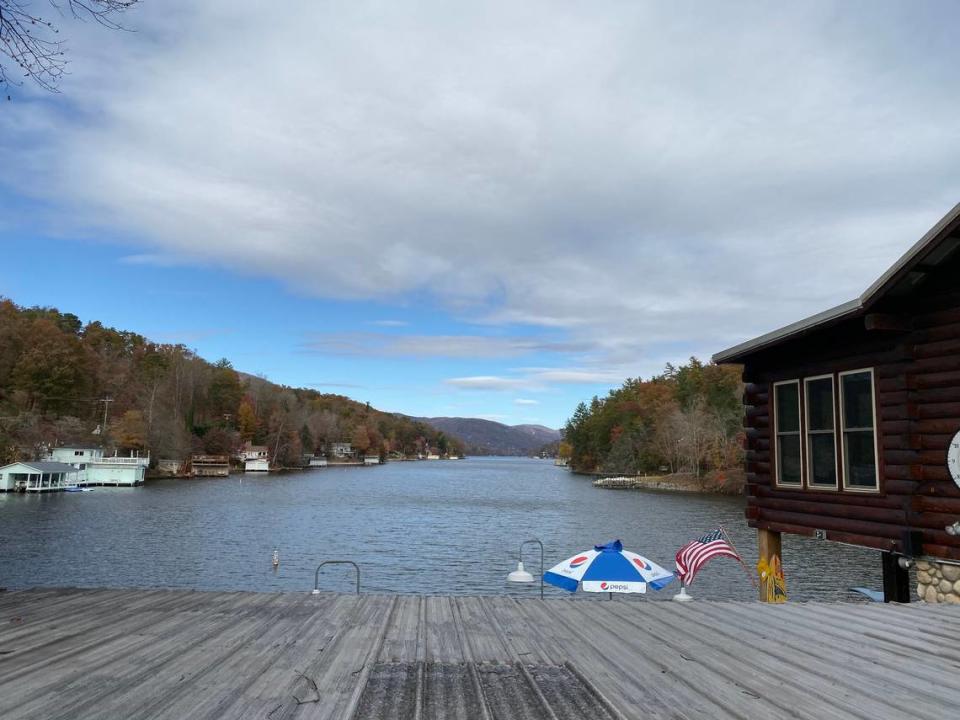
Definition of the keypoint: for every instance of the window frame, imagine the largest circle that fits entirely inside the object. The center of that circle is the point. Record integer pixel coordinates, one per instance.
(776, 436)
(807, 433)
(876, 432)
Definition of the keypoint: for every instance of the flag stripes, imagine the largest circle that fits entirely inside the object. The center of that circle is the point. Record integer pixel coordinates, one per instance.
(697, 553)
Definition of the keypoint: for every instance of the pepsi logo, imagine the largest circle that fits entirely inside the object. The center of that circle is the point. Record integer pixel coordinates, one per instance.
(578, 561)
(641, 564)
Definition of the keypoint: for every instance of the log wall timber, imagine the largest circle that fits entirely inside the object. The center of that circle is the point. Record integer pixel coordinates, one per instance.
(913, 347)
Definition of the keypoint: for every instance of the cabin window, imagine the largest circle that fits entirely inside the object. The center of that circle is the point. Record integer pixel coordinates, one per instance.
(858, 425)
(787, 420)
(821, 462)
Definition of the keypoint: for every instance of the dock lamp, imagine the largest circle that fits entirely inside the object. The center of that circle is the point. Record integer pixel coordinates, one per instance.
(520, 575)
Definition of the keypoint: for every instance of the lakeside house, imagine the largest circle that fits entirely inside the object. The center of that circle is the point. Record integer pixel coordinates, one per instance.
(853, 422)
(314, 461)
(371, 459)
(97, 469)
(256, 458)
(37, 476)
(209, 466)
(341, 450)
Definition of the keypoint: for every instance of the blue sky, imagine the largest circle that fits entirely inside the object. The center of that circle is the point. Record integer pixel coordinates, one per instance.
(478, 210)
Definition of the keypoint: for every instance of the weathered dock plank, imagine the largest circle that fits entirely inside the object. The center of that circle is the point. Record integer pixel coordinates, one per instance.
(69, 653)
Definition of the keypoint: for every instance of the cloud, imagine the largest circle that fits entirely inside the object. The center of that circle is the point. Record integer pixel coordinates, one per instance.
(537, 379)
(486, 382)
(389, 323)
(580, 168)
(447, 346)
(525, 401)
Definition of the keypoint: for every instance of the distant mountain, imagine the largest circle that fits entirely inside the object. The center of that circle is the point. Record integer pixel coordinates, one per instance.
(485, 437)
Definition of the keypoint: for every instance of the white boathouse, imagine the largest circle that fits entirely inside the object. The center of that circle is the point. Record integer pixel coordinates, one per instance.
(40, 476)
(97, 469)
(256, 458)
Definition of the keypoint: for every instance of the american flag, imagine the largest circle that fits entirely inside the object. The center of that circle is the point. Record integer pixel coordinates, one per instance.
(697, 553)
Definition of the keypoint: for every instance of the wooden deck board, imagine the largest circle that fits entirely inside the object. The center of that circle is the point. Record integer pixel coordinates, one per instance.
(73, 653)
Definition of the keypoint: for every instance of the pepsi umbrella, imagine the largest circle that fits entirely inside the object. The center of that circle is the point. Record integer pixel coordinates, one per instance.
(608, 568)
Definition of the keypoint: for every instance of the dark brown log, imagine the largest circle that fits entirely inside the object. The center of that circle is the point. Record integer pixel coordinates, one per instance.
(941, 410)
(844, 499)
(949, 505)
(892, 384)
(923, 381)
(941, 349)
(903, 472)
(941, 551)
(896, 427)
(894, 486)
(822, 508)
(936, 426)
(885, 322)
(950, 331)
(900, 457)
(899, 397)
(935, 442)
(937, 395)
(859, 527)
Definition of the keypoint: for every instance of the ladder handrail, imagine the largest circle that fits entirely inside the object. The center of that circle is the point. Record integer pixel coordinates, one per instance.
(316, 578)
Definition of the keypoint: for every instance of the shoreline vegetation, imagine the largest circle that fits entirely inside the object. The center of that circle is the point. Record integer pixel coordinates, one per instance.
(721, 483)
(681, 429)
(65, 382)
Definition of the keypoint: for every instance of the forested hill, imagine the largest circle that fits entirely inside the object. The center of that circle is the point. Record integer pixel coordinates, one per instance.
(687, 419)
(56, 371)
(486, 437)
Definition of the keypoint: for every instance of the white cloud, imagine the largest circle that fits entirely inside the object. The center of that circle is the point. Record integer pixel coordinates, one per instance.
(525, 401)
(584, 168)
(486, 382)
(449, 346)
(389, 323)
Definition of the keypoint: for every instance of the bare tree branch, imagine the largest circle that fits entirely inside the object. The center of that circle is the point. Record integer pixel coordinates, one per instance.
(30, 40)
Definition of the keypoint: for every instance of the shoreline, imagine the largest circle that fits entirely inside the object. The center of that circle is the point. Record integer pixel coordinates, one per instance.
(715, 483)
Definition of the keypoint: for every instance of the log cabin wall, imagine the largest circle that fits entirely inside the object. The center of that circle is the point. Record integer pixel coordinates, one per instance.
(913, 345)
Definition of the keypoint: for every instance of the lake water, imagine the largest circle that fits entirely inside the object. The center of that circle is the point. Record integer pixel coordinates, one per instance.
(447, 527)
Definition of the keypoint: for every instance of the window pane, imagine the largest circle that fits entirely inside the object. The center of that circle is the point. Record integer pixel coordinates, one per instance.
(859, 462)
(788, 458)
(858, 400)
(823, 460)
(788, 407)
(820, 404)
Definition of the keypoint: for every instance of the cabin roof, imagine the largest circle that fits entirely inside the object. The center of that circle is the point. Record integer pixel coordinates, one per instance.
(44, 466)
(900, 279)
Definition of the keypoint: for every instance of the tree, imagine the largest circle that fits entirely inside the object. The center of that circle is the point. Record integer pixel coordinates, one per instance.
(130, 433)
(30, 40)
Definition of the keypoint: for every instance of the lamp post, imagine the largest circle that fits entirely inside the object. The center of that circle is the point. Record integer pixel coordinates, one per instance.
(522, 576)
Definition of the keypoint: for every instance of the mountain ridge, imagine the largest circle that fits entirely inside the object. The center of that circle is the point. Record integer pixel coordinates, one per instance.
(488, 437)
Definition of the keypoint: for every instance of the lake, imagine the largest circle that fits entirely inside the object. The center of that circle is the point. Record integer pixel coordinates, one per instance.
(446, 527)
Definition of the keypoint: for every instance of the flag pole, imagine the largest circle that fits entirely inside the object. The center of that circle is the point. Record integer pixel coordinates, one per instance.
(753, 580)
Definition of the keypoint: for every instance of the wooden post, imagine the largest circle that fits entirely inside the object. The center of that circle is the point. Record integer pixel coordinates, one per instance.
(768, 543)
(896, 580)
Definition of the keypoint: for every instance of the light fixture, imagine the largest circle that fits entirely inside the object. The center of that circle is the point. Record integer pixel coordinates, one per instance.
(953, 529)
(905, 563)
(522, 576)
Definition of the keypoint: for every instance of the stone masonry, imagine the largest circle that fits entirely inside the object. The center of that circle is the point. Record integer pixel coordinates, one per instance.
(938, 582)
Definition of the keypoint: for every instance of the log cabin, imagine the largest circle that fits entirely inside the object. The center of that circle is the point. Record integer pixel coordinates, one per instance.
(852, 421)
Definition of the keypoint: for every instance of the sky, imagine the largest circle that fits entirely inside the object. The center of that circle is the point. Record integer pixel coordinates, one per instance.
(491, 209)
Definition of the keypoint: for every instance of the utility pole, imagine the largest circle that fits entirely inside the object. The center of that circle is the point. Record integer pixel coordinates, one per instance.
(106, 404)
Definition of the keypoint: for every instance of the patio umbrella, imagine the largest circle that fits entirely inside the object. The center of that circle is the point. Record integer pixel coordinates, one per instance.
(608, 568)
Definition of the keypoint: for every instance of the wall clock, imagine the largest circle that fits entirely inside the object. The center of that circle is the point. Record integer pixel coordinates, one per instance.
(953, 458)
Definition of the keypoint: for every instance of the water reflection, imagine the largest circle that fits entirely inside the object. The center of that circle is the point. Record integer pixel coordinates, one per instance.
(426, 527)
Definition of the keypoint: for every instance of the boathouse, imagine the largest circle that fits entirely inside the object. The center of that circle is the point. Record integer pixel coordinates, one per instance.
(99, 469)
(37, 477)
(853, 422)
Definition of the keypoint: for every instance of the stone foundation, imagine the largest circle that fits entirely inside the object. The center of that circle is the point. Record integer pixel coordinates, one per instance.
(938, 582)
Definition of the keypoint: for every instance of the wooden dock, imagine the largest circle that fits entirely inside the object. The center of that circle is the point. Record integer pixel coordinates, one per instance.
(69, 653)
